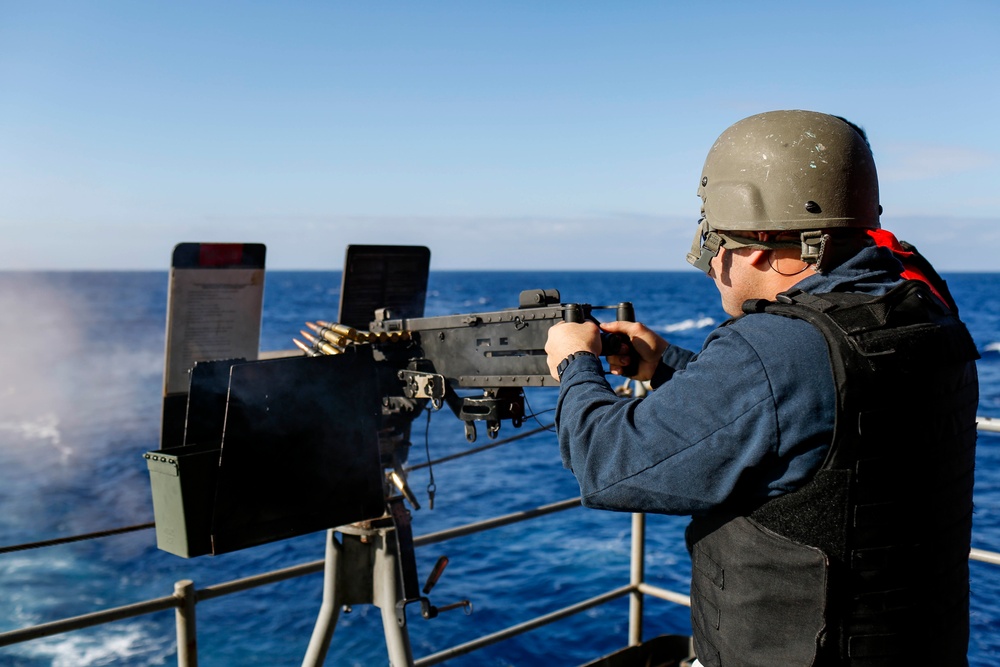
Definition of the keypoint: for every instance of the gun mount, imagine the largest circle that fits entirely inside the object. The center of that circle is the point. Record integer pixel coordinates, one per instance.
(259, 450)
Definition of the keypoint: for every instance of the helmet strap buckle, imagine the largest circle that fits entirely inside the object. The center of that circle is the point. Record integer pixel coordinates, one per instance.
(709, 249)
(813, 248)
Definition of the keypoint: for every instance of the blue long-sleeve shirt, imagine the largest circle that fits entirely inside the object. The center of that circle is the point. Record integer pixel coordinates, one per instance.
(749, 417)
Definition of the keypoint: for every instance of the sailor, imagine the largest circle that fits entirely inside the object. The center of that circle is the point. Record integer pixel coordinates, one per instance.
(822, 440)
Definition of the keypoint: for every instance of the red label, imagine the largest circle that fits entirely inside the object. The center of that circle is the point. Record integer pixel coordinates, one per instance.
(220, 254)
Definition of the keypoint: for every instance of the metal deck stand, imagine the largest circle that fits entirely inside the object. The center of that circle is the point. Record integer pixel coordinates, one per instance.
(373, 564)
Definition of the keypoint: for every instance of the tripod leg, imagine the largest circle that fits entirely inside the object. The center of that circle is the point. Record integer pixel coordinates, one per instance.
(364, 569)
(329, 611)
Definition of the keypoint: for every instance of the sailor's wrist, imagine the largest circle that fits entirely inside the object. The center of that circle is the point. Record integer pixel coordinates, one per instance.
(570, 358)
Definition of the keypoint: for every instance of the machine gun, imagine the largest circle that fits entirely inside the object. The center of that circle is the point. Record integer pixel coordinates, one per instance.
(499, 352)
(259, 450)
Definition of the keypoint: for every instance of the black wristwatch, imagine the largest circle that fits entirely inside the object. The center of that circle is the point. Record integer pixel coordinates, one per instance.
(565, 362)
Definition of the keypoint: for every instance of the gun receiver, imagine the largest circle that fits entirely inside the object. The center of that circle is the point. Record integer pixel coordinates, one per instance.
(499, 352)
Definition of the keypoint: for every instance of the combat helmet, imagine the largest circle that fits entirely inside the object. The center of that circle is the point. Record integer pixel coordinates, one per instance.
(785, 171)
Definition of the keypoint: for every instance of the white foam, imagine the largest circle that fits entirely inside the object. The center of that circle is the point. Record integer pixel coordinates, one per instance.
(992, 347)
(113, 645)
(689, 324)
(18, 563)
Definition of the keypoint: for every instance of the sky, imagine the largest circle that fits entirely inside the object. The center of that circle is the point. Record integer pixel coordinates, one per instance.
(502, 135)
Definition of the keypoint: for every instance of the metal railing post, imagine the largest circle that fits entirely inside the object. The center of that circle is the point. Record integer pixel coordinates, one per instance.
(185, 596)
(187, 636)
(637, 578)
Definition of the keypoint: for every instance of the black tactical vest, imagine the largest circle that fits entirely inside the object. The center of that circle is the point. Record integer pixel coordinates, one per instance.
(867, 564)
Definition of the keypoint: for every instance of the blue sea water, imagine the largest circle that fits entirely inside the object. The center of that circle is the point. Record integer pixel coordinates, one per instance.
(81, 363)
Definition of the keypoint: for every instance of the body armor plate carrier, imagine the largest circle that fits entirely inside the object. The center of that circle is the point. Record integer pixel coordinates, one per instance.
(867, 564)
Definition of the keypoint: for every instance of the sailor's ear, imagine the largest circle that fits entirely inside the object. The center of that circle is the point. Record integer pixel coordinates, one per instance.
(758, 257)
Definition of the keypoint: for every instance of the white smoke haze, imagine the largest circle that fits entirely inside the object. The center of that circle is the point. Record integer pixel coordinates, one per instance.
(43, 430)
(38, 341)
(64, 395)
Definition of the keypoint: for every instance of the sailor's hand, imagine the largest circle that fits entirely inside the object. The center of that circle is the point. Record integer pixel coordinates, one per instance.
(565, 338)
(646, 343)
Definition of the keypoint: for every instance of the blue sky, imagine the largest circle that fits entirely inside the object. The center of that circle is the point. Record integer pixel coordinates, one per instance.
(503, 135)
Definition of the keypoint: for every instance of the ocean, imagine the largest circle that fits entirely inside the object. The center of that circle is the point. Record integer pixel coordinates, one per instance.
(81, 368)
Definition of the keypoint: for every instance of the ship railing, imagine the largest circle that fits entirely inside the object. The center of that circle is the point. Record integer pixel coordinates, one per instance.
(185, 596)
